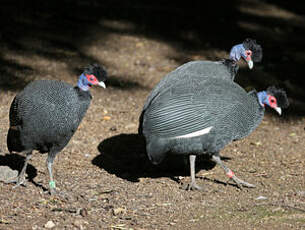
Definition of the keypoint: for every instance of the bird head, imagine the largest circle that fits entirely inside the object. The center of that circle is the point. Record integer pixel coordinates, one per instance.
(274, 98)
(249, 50)
(92, 75)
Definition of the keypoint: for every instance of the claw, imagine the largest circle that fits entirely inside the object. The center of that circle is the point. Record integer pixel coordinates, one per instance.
(241, 183)
(18, 181)
(191, 186)
(52, 191)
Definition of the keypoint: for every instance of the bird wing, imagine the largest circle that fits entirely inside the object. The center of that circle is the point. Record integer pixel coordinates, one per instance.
(14, 117)
(191, 70)
(191, 107)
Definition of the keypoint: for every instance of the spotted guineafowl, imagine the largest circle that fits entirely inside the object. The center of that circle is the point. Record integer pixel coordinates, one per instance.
(46, 114)
(249, 51)
(195, 117)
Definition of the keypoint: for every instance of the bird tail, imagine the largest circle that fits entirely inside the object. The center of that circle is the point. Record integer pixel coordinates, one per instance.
(156, 150)
(13, 140)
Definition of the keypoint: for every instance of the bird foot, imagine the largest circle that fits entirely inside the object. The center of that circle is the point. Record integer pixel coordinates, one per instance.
(52, 191)
(191, 186)
(18, 181)
(240, 183)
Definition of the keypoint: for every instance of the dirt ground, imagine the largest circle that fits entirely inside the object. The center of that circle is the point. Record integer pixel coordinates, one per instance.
(103, 176)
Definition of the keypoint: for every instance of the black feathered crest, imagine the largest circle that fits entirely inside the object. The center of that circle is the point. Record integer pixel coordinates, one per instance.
(280, 95)
(257, 51)
(98, 71)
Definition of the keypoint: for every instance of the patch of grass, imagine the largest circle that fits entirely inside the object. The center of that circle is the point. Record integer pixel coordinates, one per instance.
(294, 218)
(264, 212)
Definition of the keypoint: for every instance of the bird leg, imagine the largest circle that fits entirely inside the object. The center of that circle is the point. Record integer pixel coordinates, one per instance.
(193, 185)
(21, 177)
(50, 160)
(231, 175)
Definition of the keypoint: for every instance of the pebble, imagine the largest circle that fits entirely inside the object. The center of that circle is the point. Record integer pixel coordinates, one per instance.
(6, 173)
(113, 128)
(117, 211)
(130, 126)
(49, 224)
(301, 193)
(79, 224)
(276, 194)
(261, 198)
(83, 212)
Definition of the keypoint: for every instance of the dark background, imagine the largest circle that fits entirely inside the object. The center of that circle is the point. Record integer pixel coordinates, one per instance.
(193, 25)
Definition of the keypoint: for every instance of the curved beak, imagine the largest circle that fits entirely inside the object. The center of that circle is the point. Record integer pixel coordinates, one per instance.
(102, 84)
(250, 64)
(278, 109)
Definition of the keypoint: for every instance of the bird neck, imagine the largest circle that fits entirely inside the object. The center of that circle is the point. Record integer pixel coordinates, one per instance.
(237, 52)
(83, 83)
(262, 98)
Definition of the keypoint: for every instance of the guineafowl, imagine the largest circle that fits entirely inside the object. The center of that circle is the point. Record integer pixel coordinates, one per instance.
(195, 117)
(46, 114)
(249, 50)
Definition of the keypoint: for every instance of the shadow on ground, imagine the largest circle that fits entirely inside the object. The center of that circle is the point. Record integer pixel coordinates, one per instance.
(16, 162)
(124, 155)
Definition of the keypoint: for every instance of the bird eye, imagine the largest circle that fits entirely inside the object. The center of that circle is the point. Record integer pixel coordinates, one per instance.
(272, 101)
(91, 78)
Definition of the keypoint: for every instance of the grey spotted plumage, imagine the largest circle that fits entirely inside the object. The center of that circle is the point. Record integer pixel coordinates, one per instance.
(46, 114)
(197, 116)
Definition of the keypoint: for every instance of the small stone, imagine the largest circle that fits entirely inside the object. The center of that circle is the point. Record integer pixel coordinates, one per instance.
(261, 198)
(258, 143)
(50, 224)
(113, 128)
(278, 209)
(106, 118)
(6, 173)
(301, 193)
(117, 211)
(78, 224)
(276, 194)
(130, 126)
(83, 212)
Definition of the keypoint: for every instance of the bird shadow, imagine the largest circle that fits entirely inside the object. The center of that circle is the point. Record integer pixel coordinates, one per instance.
(16, 162)
(125, 156)
(220, 182)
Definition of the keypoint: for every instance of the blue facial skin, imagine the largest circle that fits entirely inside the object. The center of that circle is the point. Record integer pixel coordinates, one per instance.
(83, 83)
(237, 51)
(263, 98)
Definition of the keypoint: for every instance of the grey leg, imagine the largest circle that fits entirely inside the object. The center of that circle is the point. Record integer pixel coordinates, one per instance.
(192, 185)
(230, 174)
(50, 160)
(21, 177)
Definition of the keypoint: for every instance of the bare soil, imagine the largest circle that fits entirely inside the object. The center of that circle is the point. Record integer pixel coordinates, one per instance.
(103, 176)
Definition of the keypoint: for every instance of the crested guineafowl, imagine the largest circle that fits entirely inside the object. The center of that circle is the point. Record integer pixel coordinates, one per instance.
(46, 114)
(249, 51)
(195, 117)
